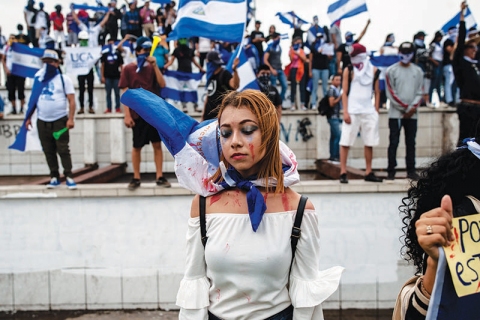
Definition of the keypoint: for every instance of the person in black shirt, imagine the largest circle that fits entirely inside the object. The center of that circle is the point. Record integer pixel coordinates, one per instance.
(258, 38)
(343, 50)
(467, 74)
(112, 63)
(448, 84)
(472, 33)
(219, 82)
(111, 27)
(263, 77)
(21, 37)
(318, 68)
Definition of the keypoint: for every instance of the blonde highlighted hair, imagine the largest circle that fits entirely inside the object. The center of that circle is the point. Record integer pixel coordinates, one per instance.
(259, 104)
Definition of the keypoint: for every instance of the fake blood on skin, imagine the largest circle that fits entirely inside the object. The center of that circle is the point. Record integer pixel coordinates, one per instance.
(214, 198)
(286, 204)
(250, 146)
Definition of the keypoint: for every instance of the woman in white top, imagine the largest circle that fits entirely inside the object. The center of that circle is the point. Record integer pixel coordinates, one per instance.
(243, 271)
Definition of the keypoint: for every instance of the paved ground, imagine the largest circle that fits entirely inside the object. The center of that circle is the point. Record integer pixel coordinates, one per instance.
(351, 314)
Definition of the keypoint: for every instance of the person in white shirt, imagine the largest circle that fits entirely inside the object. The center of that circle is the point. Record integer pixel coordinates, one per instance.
(245, 270)
(359, 114)
(92, 32)
(54, 97)
(42, 21)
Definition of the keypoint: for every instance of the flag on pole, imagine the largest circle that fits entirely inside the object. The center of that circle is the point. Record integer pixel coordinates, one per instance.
(312, 34)
(87, 7)
(291, 19)
(469, 21)
(248, 79)
(343, 9)
(222, 20)
(80, 60)
(181, 86)
(25, 60)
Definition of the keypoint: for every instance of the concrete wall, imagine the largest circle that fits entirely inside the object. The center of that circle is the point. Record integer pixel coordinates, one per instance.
(101, 248)
(104, 139)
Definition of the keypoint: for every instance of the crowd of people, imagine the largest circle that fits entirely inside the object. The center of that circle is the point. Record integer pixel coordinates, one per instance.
(320, 53)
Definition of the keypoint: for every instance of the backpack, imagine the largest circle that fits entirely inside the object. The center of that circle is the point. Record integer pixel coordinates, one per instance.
(324, 108)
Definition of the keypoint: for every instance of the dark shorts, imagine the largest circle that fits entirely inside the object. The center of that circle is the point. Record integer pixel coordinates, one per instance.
(144, 133)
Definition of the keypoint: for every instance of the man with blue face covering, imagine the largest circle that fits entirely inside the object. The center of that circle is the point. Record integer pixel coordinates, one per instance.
(404, 89)
(343, 50)
(53, 96)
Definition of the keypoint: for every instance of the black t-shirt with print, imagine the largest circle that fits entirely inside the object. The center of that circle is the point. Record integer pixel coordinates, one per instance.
(112, 63)
(216, 89)
(259, 45)
(446, 55)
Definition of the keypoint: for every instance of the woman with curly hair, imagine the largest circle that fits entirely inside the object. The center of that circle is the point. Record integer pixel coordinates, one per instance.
(439, 195)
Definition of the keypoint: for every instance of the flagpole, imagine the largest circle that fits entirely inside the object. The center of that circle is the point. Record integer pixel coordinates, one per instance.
(244, 30)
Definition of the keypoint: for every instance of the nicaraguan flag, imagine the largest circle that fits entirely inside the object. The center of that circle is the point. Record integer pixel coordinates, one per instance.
(455, 21)
(87, 7)
(181, 86)
(384, 60)
(161, 1)
(222, 20)
(25, 60)
(248, 79)
(444, 302)
(343, 9)
(195, 146)
(291, 19)
(312, 34)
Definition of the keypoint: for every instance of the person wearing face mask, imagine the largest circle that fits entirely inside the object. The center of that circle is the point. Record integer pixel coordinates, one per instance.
(21, 37)
(14, 83)
(41, 21)
(272, 58)
(359, 114)
(318, 68)
(297, 58)
(343, 50)
(404, 82)
(143, 73)
(263, 77)
(467, 75)
(58, 19)
(51, 94)
(219, 82)
(421, 59)
(29, 13)
(449, 85)
(435, 59)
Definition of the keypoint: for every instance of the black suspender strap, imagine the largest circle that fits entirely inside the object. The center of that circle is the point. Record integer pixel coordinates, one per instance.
(296, 231)
(203, 221)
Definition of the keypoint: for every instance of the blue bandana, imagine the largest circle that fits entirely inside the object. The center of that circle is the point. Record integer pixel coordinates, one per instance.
(141, 58)
(211, 67)
(255, 200)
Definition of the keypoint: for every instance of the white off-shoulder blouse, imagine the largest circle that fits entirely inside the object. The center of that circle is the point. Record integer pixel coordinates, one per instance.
(242, 274)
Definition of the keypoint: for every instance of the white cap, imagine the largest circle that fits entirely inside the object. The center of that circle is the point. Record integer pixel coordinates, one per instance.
(83, 35)
(50, 54)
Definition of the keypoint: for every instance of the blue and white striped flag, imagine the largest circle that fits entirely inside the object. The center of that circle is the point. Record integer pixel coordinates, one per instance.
(291, 19)
(248, 79)
(87, 7)
(222, 20)
(469, 21)
(25, 60)
(343, 9)
(181, 86)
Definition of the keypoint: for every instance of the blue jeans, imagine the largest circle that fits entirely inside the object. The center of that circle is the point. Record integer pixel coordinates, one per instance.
(332, 65)
(112, 83)
(335, 133)
(436, 82)
(448, 84)
(283, 82)
(317, 75)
